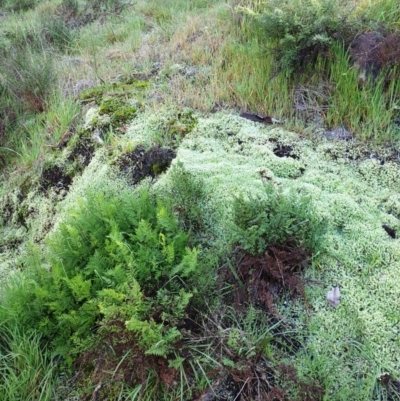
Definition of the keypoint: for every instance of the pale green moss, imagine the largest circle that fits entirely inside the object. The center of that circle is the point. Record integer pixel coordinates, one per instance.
(26, 219)
(392, 204)
(97, 176)
(348, 346)
(353, 197)
(167, 127)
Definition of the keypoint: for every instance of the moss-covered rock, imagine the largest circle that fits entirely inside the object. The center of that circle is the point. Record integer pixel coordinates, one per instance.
(125, 88)
(119, 111)
(168, 127)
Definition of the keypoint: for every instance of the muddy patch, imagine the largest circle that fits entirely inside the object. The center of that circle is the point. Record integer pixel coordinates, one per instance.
(271, 277)
(284, 151)
(269, 280)
(142, 163)
(390, 231)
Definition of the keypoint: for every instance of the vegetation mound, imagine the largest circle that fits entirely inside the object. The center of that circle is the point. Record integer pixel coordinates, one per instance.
(199, 200)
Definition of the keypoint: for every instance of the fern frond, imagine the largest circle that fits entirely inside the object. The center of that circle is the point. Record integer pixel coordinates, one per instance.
(188, 264)
(80, 288)
(166, 221)
(144, 233)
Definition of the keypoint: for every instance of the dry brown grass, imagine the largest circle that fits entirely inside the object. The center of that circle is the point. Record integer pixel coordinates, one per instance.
(192, 41)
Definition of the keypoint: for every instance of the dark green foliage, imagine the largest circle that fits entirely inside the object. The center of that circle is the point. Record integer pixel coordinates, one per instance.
(122, 90)
(119, 111)
(301, 30)
(279, 218)
(114, 102)
(17, 5)
(110, 105)
(176, 126)
(95, 93)
(187, 194)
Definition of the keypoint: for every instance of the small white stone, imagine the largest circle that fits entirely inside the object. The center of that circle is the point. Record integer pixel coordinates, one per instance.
(333, 297)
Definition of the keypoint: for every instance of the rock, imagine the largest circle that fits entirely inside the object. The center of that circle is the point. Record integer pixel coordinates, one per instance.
(340, 133)
(333, 297)
(157, 65)
(190, 71)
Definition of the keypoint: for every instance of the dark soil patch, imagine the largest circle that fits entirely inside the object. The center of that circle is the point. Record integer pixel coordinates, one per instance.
(257, 118)
(7, 209)
(54, 177)
(391, 385)
(83, 152)
(284, 151)
(390, 231)
(266, 280)
(228, 390)
(262, 281)
(142, 163)
(309, 391)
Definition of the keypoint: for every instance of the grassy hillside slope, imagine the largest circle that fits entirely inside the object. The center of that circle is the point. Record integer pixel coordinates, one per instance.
(183, 183)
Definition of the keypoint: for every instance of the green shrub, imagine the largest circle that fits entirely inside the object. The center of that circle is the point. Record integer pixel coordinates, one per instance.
(279, 218)
(299, 31)
(187, 195)
(17, 5)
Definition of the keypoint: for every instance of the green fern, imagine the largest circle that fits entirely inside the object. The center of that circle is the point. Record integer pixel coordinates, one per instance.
(120, 256)
(276, 218)
(188, 264)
